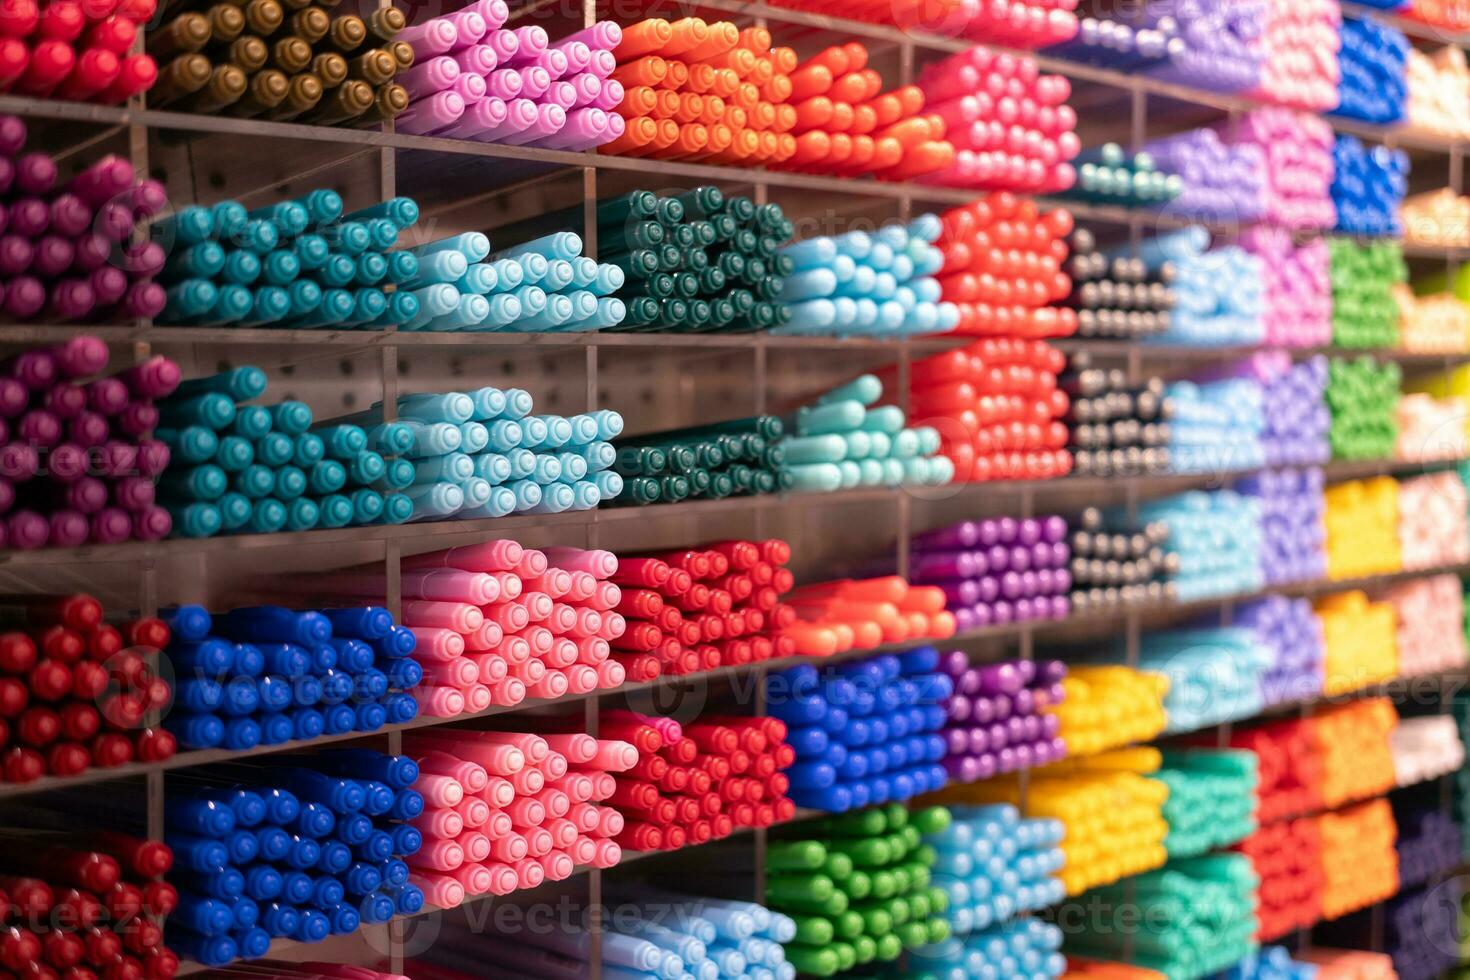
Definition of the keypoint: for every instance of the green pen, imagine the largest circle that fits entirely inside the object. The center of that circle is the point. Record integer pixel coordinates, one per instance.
(670, 257)
(742, 209)
(659, 285)
(813, 930)
(846, 956)
(641, 490)
(721, 313)
(866, 949)
(637, 234)
(745, 241)
(686, 285)
(710, 281)
(724, 227)
(682, 236)
(699, 481)
(819, 961)
(721, 486)
(669, 211)
(782, 264)
(696, 259)
(701, 202)
(699, 313)
(672, 311)
(673, 488)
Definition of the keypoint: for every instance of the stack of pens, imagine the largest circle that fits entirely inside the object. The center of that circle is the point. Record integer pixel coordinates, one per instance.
(707, 91)
(1009, 125)
(75, 692)
(1425, 748)
(1116, 428)
(1216, 426)
(1342, 964)
(478, 80)
(509, 810)
(299, 264)
(1174, 43)
(1430, 429)
(1292, 633)
(698, 609)
(1360, 642)
(1001, 407)
(1437, 219)
(80, 463)
(1429, 843)
(845, 439)
(1438, 84)
(1298, 42)
(1355, 749)
(1205, 907)
(1035, 943)
(1421, 930)
(869, 285)
(1086, 969)
(79, 53)
(1222, 181)
(997, 571)
(1363, 395)
(1104, 706)
(1297, 283)
(1431, 624)
(1214, 675)
(866, 732)
(68, 252)
(481, 453)
(1220, 293)
(1289, 766)
(1024, 25)
(1295, 416)
(996, 719)
(842, 124)
(88, 901)
(300, 848)
(861, 614)
(1108, 175)
(858, 886)
(699, 781)
(737, 457)
(1115, 565)
(1362, 522)
(495, 623)
(1359, 865)
(1286, 856)
(267, 675)
(1003, 267)
(1368, 185)
(1212, 799)
(1297, 150)
(1374, 86)
(1432, 521)
(1117, 296)
(1216, 537)
(1364, 312)
(260, 469)
(1432, 320)
(311, 66)
(540, 285)
(1112, 813)
(994, 865)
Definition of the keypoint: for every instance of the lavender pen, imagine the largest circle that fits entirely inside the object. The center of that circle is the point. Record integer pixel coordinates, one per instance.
(549, 119)
(433, 113)
(428, 77)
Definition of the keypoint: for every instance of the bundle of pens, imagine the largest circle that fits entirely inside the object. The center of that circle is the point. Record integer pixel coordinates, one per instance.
(736, 457)
(82, 52)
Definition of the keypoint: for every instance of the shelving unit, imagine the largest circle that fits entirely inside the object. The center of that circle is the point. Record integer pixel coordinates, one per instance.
(655, 379)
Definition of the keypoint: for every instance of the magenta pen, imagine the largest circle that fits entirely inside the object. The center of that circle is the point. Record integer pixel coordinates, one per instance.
(115, 458)
(144, 259)
(65, 400)
(92, 251)
(67, 462)
(88, 429)
(156, 377)
(86, 494)
(19, 461)
(103, 180)
(7, 496)
(470, 88)
(35, 173)
(29, 216)
(53, 256)
(479, 117)
(152, 457)
(144, 299)
(434, 75)
(138, 419)
(36, 369)
(149, 198)
(13, 397)
(111, 525)
(152, 523)
(134, 493)
(39, 428)
(16, 253)
(71, 299)
(534, 81)
(106, 395)
(25, 530)
(24, 297)
(436, 112)
(70, 215)
(80, 357)
(549, 119)
(505, 44)
(109, 285)
(68, 529)
(114, 220)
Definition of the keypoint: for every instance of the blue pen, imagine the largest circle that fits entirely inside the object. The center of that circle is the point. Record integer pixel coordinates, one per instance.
(226, 885)
(400, 708)
(208, 916)
(212, 951)
(273, 844)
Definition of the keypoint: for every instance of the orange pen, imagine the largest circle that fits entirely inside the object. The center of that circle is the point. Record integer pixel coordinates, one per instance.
(767, 146)
(743, 146)
(864, 119)
(746, 96)
(686, 34)
(693, 138)
(841, 117)
(763, 115)
(691, 107)
(667, 136)
(834, 59)
(778, 89)
(720, 138)
(852, 87)
(762, 72)
(726, 83)
(814, 113)
(922, 159)
(639, 133)
(857, 55)
(809, 81)
(643, 38)
(811, 147)
(723, 36)
(648, 70)
(863, 149)
(666, 103)
(739, 60)
(757, 39)
(714, 109)
(785, 117)
(786, 147)
(937, 126)
(638, 101)
(701, 77)
(785, 59)
(841, 150)
(910, 132)
(737, 117)
(677, 76)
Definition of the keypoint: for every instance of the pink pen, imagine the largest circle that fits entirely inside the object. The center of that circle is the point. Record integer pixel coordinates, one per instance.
(554, 766)
(486, 636)
(553, 685)
(577, 747)
(538, 842)
(561, 94)
(477, 59)
(435, 112)
(556, 802)
(615, 127)
(559, 620)
(435, 762)
(529, 873)
(509, 616)
(584, 816)
(603, 63)
(87, 494)
(533, 746)
(558, 866)
(68, 529)
(532, 564)
(474, 811)
(519, 114)
(471, 88)
(578, 786)
(609, 853)
(505, 44)
(563, 832)
(508, 692)
(616, 756)
(526, 812)
(511, 585)
(529, 672)
(511, 847)
(438, 855)
(563, 651)
(489, 556)
(498, 792)
(538, 606)
(555, 582)
(515, 650)
(532, 40)
(436, 643)
(586, 622)
(458, 672)
(609, 822)
(437, 36)
(583, 587)
(601, 36)
(26, 530)
(469, 27)
(476, 846)
(555, 62)
(443, 824)
(582, 850)
(478, 697)
(528, 782)
(503, 879)
(458, 616)
(439, 702)
(539, 637)
(428, 77)
(495, 12)
(490, 667)
(498, 760)
(152, 524)
(613, 626)
(474, 878)
(439, 889)
(577, 54)
(504, 83)
(498, 823)
(534, 81)
(581, 679)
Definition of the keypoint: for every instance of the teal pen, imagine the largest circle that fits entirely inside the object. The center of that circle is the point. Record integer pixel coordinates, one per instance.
(270, 305)
(211, 409)
(893, 471)
(557, 245)
(196, 520)
(476, 492)
(350, 237)
(254, 481)
(336, 306)
(257, 236)
(453, 467)
(493, 468)
(508, 274)
(402, 211)
(573, 467)
(556, 310)
(322, 206)
(527, 494)
(851, 474)
(307, 449)
(311, 251)
(228, 219)
(397, 509)
(203, 260)
(534, 268)
(522, 463)
(559, 275)
(882, 445)
(240, 267)
(382, 234)
(191, 444)
(371, 269)
(870, 472)
(504, 435)
(555, 498)
(451, 406)
(334, 510)
(905, 444)
(479, 278)
(367, 506)
(558, 432)
(190, 225)
(305, 296)
(267, 516)
(190, 298)
(584, 272)
(397, 474)
(342, 442)
(338, 270)
(501, 503)
(820, 477)
(241, 384)
(532, 300)
(401, 308)
(290, 483)
(470, 312)
(609, 485)
(289, 217)
(252, 422)
(439, 267)
(234, 510)
(502, 310)
(392, 438)
(489, 402)
(473, 244)
(234, 454)
(402, 266)
(432, 438)
(366, 468)
(292, 418)
(474, 437)
(548, 470)
(368, 305)
(302, 514)
(274, 449)
(328, 476)
(203, 482)
(434, 301)
(435, 499)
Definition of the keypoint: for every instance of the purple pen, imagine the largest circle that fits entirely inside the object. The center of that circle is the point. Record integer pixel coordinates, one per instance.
(144, 259)
(470, 88)
(504, 83)
(108, 285)
(152, 457)
(86, 494)
(26, 530)
(71, 299)
(70, 215)
(29, 216)
(487, 114)
(154, 378)
(495, 12)
(53, 256)
(68, 529)
(505, 44)
(434, 75)
(577, 53)
(39, 428)
(477, 59)
(144, 299)
(67, 462)
(19, 461)
(437, 36)
(35, 173)
(92, 251)
(88, 429)
(12, 135)
(103, 180)
(436, 112)
(149, 198)
(111, 525)
(138, 419)
(534, 81)
(549, 119)
(610, 97)
(152, 524)
(133, 493)
(555, 62)
(605, 35)
(520, 114)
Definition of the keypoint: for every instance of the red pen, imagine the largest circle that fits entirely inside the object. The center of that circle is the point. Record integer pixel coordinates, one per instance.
(32, 897)
(79, 721)
(62, 644)
(156, 744)
(62, 20)
(67, 759)
(18, 17)
(137, 11)
(115, 34)
(103, 642)
(96, 69)
(51, 61)
(77, 909)
(159, 897)
(62, 949)
(111, 749)
(17, 653)
(137, 74)
(148, 632)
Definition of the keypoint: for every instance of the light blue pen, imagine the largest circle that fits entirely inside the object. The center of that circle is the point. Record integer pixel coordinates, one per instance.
(527, 494)
(609, 424)
(402, 211)
(547, 470)
(814, 253)
(555, 498)
(522, 462)
(556, 310)
(471, 311)
(391, 438)
(473, 244)
(503, 310)
(884, 285)
(559, 275)
(439, 267)
(474, 437)
(902, 267)
(557, 245)
(811, 284)
(500, 503)
(688, 948)
(450, 406)
(573, 467)
(534, 268)
(477, 492)
(435, 499)
(812, 316)
(489, 403)
(479, 278)
(608, 483)
(493, 468)
(508, 274)
(554, 431)
(584, 272)
(402, 266)
(434, 301)
(865, 317)
(598, 455)
(585, 307)
(534, 431)
(432, 438)
(859, 284)
(505, 435)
